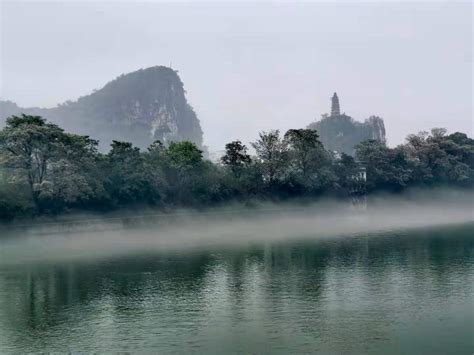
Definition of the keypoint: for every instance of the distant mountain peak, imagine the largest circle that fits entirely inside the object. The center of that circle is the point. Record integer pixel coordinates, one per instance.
(140, 107)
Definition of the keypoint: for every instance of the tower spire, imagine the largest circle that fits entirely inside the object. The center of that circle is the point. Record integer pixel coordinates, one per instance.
(335, 111)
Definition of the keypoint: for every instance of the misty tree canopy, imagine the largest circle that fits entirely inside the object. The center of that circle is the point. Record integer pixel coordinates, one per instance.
(45, 170)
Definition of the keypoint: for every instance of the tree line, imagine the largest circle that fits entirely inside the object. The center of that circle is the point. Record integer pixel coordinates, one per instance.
(45, 170)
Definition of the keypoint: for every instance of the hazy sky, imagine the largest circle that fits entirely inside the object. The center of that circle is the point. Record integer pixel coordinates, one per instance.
(249, 67)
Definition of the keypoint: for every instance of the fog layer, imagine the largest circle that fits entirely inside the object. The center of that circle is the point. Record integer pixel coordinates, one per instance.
(94, 238)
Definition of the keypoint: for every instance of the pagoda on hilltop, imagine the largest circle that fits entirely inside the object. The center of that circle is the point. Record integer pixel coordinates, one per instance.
(335, 109)
(341, 133)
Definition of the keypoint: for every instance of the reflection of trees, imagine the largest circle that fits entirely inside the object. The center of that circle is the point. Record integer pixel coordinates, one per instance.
(44, 297)
(282, 283)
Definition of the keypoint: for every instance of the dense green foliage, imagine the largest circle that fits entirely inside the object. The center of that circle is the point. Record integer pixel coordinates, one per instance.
(44, 170)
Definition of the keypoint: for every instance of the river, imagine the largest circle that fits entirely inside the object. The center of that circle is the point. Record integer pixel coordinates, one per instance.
(403, 291)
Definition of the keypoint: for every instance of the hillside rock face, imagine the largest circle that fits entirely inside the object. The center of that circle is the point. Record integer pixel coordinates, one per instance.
(339, 132)
(139, 107)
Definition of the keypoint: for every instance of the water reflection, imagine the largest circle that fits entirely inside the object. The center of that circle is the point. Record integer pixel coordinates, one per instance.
(393, 293)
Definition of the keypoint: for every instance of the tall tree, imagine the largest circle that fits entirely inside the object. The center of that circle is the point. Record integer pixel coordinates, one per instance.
(52, 162)
(184, 155)
(305, 149)
(31, 143)
(272, 153)
(127, 181)
(187, 173)
(236, 157)
(74, 177)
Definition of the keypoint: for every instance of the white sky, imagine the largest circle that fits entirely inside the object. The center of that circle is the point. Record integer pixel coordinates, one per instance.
(251, 66)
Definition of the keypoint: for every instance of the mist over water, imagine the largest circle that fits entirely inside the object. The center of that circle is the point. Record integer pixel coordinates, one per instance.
(95, 238)
(394, 277)
(387, 292)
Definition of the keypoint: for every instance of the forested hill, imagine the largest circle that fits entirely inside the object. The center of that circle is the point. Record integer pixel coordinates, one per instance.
(139, 107)
(341, 133)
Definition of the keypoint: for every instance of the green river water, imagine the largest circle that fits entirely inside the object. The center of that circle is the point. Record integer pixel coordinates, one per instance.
(397, 292)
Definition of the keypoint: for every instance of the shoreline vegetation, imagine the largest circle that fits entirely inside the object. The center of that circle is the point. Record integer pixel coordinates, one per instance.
(46, 172)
